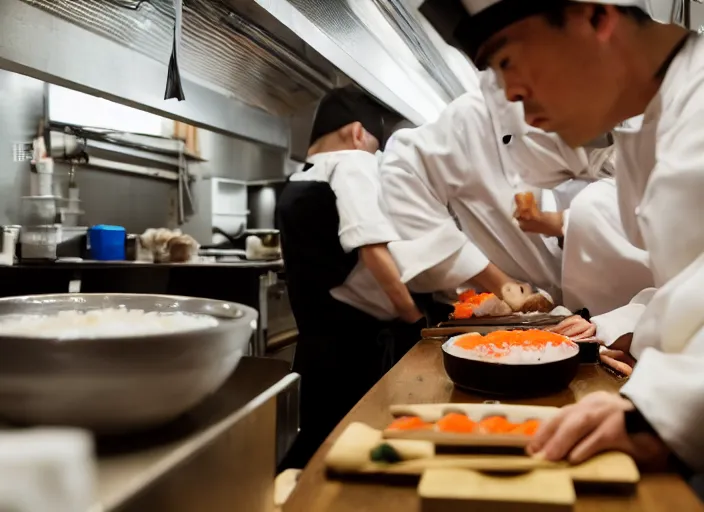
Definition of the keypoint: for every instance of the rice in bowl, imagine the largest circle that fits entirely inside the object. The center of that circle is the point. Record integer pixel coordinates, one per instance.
(102, 323)
(512, 347)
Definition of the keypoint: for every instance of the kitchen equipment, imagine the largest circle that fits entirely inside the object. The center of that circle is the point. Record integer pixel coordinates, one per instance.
(107, 243)
(453, 490)
(263, 244)
(39, 210)
(487, 324)
(350, 456)
(431, 413)
(219, 457)
(121, 383)
(8, 244)
(516, 380)
(39, 242)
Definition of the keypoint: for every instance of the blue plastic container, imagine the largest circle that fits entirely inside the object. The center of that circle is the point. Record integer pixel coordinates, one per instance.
(107, 243)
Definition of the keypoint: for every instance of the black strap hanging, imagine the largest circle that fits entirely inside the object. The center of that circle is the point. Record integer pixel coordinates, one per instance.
(174, 89)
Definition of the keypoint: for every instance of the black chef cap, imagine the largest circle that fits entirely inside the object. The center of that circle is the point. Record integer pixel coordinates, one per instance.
(341, 107)
(467, 32)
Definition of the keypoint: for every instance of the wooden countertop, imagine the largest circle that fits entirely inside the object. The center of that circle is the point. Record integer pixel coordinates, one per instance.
(420, 378)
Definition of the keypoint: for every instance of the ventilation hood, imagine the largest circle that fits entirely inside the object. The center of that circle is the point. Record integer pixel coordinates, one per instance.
(249, 67)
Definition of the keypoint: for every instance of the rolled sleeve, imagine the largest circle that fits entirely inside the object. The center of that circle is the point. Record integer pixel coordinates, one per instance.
(357, 186)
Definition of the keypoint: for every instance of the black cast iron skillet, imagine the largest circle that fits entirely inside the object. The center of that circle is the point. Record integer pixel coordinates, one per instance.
(511, 380)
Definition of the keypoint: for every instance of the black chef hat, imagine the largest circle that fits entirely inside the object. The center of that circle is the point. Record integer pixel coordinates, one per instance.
(467, 24)
(341, 107)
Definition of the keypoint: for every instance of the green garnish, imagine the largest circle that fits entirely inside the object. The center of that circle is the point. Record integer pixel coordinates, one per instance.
(385, 453)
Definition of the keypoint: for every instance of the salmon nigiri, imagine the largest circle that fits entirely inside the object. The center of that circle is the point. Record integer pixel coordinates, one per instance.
(482, 304)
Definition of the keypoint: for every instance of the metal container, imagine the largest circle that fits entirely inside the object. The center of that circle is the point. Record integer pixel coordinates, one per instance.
(40, 242)
(121, 383)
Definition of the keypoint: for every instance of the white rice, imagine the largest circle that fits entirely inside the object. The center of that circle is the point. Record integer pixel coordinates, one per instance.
(512, 354)
(102, 323)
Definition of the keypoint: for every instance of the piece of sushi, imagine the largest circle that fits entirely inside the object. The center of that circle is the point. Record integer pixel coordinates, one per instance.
(479, 305)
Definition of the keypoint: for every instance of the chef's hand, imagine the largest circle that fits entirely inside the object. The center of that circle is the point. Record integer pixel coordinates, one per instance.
(544, 223)
(593, 425)
(575, 327)
(618, 355)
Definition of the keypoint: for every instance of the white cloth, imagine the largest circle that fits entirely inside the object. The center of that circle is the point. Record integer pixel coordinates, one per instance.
(667, 384)
(601, 270)
(459, 165)
(664, 170)
(354, 178)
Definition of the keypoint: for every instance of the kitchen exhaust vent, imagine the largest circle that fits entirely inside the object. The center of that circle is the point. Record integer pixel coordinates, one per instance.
(221, 49)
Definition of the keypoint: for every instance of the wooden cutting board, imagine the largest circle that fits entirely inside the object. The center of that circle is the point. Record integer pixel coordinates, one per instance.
(350, 456)
(453, 490)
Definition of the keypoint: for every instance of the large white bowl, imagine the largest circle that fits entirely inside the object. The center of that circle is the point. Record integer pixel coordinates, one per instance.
(123, 383)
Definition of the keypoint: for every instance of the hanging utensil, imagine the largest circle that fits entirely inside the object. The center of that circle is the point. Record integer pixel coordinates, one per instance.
(174, 88)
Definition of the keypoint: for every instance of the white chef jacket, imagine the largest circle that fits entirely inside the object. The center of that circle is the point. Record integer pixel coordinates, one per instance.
(662, 207)
(601, 269)
(354, 178)
(460, 165)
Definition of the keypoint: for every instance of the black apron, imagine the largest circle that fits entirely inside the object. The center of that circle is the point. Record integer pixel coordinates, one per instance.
(341, 352)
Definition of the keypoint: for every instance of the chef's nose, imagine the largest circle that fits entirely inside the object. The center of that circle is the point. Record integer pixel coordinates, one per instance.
(515, 92)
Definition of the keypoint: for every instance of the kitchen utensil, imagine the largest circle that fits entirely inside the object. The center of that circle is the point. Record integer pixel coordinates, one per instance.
(350, 456)
(39, 210)
(433, 412)
(454, 490)
(263, 244)
(39, 242)
(107, 243)
(121, 383)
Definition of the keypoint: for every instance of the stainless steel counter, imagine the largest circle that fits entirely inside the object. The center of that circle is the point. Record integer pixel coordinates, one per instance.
(221, 456)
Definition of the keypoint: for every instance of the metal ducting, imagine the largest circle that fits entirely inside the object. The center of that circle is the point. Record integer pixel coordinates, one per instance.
(220, 48)
(248, 66)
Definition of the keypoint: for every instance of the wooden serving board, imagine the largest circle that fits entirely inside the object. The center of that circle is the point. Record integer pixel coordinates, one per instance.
(476, 412)
(455, 490)
(350, 457)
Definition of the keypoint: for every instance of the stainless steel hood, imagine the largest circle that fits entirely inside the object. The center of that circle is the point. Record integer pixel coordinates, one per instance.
(368, 41)
(249, 66)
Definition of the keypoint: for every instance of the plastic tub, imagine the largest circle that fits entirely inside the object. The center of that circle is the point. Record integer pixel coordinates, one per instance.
(107, 243)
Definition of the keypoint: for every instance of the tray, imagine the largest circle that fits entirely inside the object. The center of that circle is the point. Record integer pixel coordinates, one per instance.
(433, 412)
(350, 457)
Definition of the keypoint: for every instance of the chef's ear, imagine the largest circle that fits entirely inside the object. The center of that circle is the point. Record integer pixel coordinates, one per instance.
(357, 132)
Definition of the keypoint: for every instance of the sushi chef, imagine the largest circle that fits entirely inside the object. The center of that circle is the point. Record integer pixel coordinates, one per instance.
(344, 286)
(594, 238)
(449, 188)
(580, 68)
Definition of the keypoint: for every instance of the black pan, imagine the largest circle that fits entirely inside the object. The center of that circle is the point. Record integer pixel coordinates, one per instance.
(511, 380)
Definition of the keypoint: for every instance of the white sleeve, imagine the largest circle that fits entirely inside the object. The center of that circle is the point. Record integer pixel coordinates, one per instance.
(355, 181)
(434, 253)
(672, 209)
(614, 324)
(667, 384)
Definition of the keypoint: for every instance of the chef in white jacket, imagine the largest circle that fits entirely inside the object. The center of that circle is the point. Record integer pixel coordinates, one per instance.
(449, 188)
(600, 63)
(602, 270)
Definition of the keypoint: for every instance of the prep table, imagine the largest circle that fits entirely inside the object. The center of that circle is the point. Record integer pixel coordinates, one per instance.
(420, 378)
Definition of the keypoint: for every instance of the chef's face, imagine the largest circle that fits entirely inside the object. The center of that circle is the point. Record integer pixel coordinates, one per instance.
(562, 71)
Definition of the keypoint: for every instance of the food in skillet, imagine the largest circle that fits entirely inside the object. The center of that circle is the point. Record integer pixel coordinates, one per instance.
(512, 347)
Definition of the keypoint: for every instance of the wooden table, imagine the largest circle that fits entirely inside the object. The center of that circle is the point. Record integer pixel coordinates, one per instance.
(419, 378)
